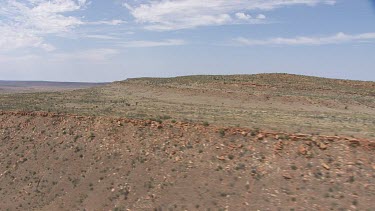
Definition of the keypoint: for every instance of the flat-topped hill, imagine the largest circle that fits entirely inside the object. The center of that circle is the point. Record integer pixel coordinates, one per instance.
(277, 81)
(279, 102)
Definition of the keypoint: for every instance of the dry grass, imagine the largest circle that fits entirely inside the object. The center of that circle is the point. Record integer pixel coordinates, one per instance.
(271, 101)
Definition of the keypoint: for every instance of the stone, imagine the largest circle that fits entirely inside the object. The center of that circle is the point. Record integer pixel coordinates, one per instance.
(260, 136)
(302, 150)
(354, 143)
(287, 176)
(221, 158)
(279, 145)
(322, 146)
(326, 166)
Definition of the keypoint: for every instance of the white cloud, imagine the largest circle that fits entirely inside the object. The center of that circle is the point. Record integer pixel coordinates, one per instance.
(25, 24)
(334, 39)
(101, 37)
(261, 16)
(43, 16)
(243, 16)
(12, 39)
(110, 22)
(148, 44)
(182, 14)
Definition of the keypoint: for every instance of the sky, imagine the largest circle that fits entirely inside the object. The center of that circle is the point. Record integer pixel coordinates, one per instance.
(111, 40)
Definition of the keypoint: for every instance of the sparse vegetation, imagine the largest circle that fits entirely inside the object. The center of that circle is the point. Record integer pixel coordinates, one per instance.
(314, 93)
(125, 151)
(222, 132)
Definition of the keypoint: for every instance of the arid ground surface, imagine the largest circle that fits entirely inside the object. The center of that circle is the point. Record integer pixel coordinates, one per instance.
(244, 142)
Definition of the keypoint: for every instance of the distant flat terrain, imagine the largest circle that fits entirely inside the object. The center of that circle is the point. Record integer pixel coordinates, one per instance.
(41, 86)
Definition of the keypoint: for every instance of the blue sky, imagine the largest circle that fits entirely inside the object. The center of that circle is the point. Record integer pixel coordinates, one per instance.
(96, 40)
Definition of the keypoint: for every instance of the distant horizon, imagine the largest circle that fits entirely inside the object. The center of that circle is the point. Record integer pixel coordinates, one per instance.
(106, 82)
(38, 81)
(95, 40)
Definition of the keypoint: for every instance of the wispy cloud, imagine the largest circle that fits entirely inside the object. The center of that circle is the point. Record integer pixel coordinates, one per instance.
(149, 44)
(25, 24)
(41, 15)
(96, 55)
(105, 22)
(13, 38)
(18, 59)
(333, 39)
(183, 14)
(101, 37)
(92, 55)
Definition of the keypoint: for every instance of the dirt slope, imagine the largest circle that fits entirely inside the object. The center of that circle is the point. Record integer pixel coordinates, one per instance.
(67, 162)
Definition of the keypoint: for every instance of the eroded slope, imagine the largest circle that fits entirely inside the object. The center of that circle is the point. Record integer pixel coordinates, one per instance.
(66, 162)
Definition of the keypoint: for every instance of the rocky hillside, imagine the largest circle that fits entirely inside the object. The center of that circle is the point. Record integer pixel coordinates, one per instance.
(50, 161)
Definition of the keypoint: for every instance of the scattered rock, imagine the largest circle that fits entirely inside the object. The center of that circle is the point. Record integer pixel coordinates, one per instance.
(260, 136)
(302, 150)
(221, 158)
(279, 145)
(322, 146)
(326, 166)
(287, 176)
(354, 143)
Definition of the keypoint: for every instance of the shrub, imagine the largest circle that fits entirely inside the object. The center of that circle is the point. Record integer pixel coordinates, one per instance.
(222, 132)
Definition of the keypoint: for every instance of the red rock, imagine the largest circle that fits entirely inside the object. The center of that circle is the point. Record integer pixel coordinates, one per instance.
(326, 166)
(354, 143)
(279, 145)
(302, 150)
(322, 146)
(287, 176)
(260, 136)
(221, 158)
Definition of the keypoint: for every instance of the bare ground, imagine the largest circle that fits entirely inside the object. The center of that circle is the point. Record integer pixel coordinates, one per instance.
(56, 162)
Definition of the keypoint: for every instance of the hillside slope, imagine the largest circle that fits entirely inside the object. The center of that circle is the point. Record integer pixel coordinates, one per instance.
(278, 102)
(65, 162)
